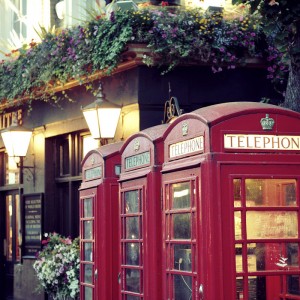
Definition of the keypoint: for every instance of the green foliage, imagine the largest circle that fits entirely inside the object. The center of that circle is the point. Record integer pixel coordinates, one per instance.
(174, 36)
(281, 25)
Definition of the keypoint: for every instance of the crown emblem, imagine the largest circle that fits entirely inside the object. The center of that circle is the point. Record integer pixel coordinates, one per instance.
(267, 123)
(136, 145)
(185, 128)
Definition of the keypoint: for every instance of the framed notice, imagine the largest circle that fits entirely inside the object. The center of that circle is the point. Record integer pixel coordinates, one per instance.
(32, 224)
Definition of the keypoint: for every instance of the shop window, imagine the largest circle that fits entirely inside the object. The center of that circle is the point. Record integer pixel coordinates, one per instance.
(266, 220)
(64, 154)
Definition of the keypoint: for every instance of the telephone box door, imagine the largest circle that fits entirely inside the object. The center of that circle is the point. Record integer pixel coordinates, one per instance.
(132, 239)
(263, 205)
(99, 224)
(88, 274)
(180, 213)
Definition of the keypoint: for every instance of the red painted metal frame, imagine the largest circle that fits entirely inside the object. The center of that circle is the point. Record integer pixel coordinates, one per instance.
(216, 247)
(103, 188)
(147, 178)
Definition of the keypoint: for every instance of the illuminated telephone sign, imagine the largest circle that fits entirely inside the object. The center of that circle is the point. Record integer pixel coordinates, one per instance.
(261, 142)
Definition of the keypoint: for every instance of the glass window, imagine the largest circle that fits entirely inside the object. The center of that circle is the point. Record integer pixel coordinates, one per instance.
(132, 243)
(88, 273)
(89, 144)
(131, 202)
(270, 192)
(266, 224)
(13, 228)
(181, 195)
(180, 221)
(19, 18)
(182, 226)
(272, 224)
(88, 207)
(133, 280)
(12, 174)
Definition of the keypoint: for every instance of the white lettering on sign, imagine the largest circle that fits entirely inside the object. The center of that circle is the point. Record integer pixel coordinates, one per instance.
(261, 142)
(187, 147)
(138, 160)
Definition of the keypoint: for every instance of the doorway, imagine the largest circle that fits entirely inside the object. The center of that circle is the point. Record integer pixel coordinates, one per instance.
(265, 217)
(181, 192)
(12, 242)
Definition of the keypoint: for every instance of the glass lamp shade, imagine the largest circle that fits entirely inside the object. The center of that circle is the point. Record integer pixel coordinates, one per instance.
(16, 140)
(102, 119)
(212, 3)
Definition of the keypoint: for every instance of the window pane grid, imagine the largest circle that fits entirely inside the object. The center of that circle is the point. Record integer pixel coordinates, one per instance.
(132, 244)
(180, 222)
(266, 229)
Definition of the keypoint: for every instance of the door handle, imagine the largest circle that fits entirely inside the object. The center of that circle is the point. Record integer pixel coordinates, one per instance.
(201, 291)
(96, 274)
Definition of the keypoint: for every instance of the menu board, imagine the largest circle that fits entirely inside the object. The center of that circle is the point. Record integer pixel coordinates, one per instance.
(32, 220)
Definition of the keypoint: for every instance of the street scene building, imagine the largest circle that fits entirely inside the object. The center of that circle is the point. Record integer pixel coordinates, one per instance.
(191, 191)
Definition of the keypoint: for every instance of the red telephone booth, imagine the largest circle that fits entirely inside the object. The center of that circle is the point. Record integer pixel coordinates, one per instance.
(99, 219)
(140, 211)
(231, 189)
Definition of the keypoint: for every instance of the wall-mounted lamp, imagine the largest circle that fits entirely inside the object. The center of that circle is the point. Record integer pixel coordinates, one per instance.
(60, 9)
(213, 5)
(16, 140)
(102, 117)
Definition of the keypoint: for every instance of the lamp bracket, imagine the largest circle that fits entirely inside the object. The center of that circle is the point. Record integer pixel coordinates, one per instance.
(31, 169)
(171, 110)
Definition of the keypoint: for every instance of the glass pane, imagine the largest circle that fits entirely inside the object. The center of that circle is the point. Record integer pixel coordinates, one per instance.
(238, 258)
(252, 258)
(88, 273)
(182, 226)
(88, 143)
(18, 228)
(237, 190)
(88, 252)
(132, 228)
(272, 224)
(132, 280)
(130, 297)
(272, 256)
(64, 157)
(254, 192)
(9, 229)
(88, 208)
(293, 254)
(132, 202)
(12, 171)
(257, 288)
(88, 230)
(181, 195)
(182, 287)
(270, 192)
(239, 288)
(237, 225)
(88, 293)
(132, 254)
(293, 284)
(264, 288)
(183, 257)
